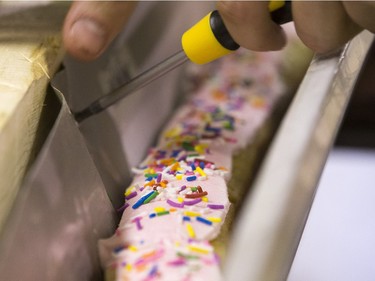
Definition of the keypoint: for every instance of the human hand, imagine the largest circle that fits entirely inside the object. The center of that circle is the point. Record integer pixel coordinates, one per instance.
(322, 25)
(90, 27)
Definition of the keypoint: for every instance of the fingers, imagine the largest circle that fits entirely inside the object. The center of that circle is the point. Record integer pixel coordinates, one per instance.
(250, 25)
(90, 26)
(323, 26)
(362, 12)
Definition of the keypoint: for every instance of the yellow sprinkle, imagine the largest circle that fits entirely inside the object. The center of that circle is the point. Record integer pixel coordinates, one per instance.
(214, 219)
(199, 148)
(198, 249)
(179, 177)
(129, 190)
(191, 214)
(200, 171)
(204, 199)
(133, 248)
(258, 102)
(174, 132)
(159, 209)
(177, 244)
(190, 230)
(175, 166)
(148, 171)
(128, 267)
(167, 161)
(180, 199)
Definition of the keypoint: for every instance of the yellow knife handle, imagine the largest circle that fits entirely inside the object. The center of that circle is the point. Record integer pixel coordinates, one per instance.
(209, 39)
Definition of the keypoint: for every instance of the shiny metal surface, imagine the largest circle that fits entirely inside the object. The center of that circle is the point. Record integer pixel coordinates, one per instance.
(66, 202)
(136, 83)
(60, 212)
(272, 220)
(118, 138)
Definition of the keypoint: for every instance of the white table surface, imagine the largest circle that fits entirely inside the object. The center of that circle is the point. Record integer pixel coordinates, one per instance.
(339, 239)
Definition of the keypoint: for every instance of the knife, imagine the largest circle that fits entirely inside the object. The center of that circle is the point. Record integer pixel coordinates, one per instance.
(204, 42)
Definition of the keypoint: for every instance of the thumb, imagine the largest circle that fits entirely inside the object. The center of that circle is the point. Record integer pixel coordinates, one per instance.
(90, 27)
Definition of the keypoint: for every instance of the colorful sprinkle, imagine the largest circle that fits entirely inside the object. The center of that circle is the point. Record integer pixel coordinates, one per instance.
(129, 190)
(188, 257)
(177, 262)
(215, 206)
(191, 214)
(192, 167)
(159, 209)
(175, 153)
(154, 271)
(196, 195)
(214, 219)
(123, 207)
(182, 188)
(191, 178)
(175, 166)
(137, 222)
(200, 149)
(198, 249)
(131, 195)
(175, 204)
(192, 202)
(150, 183)
(203, 220)
(162, 213)
(151, 176)
(187, 146)
(158, 179)
(118, 249)
(186, 218)
(151, 197)
(142, 200)
(190, 230)
(201, 172)
(133, 248)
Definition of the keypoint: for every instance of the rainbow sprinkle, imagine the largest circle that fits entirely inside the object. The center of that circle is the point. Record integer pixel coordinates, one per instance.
(143, 199)
(200, 134)
(190, 230)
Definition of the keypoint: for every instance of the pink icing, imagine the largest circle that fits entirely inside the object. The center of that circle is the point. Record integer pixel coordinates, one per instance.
(178, 199)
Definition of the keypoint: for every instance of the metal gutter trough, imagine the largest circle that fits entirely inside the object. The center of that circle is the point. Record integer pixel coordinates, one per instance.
(272, 220)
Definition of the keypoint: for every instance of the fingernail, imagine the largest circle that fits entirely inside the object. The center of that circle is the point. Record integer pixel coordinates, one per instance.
(90, 37)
